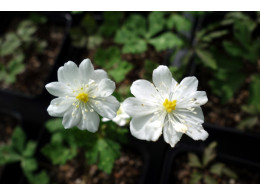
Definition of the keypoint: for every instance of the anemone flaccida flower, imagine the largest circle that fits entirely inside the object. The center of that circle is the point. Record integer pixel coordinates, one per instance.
(82, 93)
(166, 107)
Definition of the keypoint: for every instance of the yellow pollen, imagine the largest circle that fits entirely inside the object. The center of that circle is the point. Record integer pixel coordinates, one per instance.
(82, 97)
(169, 105)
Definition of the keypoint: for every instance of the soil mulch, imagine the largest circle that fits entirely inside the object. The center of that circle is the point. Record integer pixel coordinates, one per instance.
(127, 170)
(181, 172)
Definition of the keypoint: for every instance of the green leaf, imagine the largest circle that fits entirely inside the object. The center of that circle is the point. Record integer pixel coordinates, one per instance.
(209, 180)
(79, 138)
(193, 160)
(10, 44)
(58, 153)
(8, 155)
(39, 178)
(250, 109)
(119, 73)
(104, 152)
(228, 172)
(254, 92)
(209, 154)
(125, 35)
(18, 139)
(111, 23)
(30, 149)
(166, 41)
(41, 45)
(248, 123)
(94, 41)
(88, 24)
(135, 46)
(179, 22)
(217, 168)
(107, 58)
(29, 164)
(207, 58)
(137, 24)
(233, 49)
(195, 177)
(38, 18)
(156, 22)
(132, 35)
(213, 35)
(54, 125)
(26, 29)
(242, 33)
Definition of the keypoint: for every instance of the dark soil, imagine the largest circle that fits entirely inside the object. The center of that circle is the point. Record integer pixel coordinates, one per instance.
(228, 114)
(127, 170)
(7, 126)
(38, 66)
(181, 172)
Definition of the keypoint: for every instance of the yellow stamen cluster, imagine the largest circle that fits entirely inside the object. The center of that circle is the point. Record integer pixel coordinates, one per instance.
(169, 105)
(82, 97)
(119, 111)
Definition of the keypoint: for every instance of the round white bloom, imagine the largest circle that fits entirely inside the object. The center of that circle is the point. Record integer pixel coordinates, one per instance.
(121, 117)
(167, 107)
(83, 93)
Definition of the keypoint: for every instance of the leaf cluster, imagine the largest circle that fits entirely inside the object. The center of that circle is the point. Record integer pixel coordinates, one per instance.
(110, 59)
(225, 47)
(137, 32)
(21, 150)
(101, 148)
(205, 168)
(253, 105)
(14, 45)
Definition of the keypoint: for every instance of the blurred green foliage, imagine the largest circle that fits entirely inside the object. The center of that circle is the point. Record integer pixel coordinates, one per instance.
(204, 169)
(110, 60)
(101, 148)
(22, 151)
(226, 47)
(138, 31)
(15, 45)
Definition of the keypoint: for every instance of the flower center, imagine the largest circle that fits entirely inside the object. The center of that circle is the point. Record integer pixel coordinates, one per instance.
(82, 97)
(169, 105)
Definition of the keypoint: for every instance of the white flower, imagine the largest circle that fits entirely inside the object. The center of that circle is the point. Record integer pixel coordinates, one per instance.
(121, 117)
(167, 107)
(83, 93)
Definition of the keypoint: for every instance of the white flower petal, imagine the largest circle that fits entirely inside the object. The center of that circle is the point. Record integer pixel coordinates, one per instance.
(200, 98)
(90, 122)
(59, 106)
(69, 74)
(196, 115)
(106, 107)
(197, 132)
(143, 89)
(171, 136)
(71, 120)
(58, 89)
(146, 127)
(136, 107)
(85, 70)
(162, 79)
(187, 86)
(105, 88)
(98, 75)
(105, 119)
